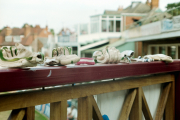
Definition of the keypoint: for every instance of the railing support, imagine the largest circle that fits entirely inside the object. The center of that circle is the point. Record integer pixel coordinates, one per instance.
(58, 110)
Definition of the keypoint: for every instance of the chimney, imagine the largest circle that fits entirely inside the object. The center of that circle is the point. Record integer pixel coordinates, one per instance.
(120, 8)
(8, 31)
(148, 3)
(46, 28)
(154, 4)
(27, 30)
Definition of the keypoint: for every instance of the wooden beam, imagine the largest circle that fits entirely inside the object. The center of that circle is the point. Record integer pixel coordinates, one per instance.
(124, 115)
(17, 114)
(170, 105)
(96, 112)
(162, 102)
(136, 111)
(58, 110)
(32, 98)
(145, 107)
(85, 108)
(29, 113)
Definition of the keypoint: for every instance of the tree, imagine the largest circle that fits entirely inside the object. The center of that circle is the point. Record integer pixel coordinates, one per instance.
(173, 8)
(25, 24)
(52, 31)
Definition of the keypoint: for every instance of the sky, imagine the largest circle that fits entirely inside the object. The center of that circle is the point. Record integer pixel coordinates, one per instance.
(58, 13)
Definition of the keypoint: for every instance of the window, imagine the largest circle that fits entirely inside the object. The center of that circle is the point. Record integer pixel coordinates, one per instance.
(162, 50)
(111, 26)
(153, 50)
(94, 27)
(166, 49)
(8, 38)
(104, 25)
(16, 38)
(172, 51)
(118, 26)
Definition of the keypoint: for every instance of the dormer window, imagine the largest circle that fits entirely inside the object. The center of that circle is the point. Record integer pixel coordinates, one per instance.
(8, 38)
(17, 38)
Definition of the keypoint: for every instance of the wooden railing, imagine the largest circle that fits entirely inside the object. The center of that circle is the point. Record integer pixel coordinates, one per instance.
(137, 75)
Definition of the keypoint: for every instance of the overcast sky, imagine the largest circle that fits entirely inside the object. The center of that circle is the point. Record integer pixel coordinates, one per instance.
(57, 13)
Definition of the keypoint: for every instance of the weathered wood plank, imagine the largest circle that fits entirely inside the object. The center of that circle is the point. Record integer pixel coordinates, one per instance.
(17, 114)
(84, 108)
(162, 102)
(96, 112)
(58, 110)
(170, 105)
(136, 111)
(124, 115)
(27, 99)
(145, 107)
(29, 113)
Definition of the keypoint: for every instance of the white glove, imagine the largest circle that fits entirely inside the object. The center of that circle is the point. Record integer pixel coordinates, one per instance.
(19, 56)
(159, 57)
(62, 56)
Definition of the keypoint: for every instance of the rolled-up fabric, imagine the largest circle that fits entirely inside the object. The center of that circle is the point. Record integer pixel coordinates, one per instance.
(88, 61)
(112, 55)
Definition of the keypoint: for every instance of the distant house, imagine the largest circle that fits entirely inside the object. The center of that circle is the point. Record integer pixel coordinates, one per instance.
(67, 37)
(34, 38)
(107, 28)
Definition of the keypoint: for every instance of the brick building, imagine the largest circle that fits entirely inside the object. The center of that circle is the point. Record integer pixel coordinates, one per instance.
(34, 38)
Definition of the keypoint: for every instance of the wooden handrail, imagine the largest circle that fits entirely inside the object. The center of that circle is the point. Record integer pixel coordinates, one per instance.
(18, 79)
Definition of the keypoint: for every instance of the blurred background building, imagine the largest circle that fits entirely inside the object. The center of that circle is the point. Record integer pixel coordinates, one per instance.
(108, 28)
(141, 27)
(35, 39)
(67, 37)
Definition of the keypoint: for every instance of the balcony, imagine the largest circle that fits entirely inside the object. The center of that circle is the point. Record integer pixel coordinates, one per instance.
(131, 93)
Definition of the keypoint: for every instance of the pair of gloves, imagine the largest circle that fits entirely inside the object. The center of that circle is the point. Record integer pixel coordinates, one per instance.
(62, 56)
(18, 56)
(112, 55)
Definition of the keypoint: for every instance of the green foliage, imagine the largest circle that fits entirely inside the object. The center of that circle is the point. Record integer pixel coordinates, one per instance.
(52, 31)
(172, 5)
(173, 8)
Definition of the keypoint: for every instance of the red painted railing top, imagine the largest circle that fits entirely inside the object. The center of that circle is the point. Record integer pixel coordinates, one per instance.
(17, 79)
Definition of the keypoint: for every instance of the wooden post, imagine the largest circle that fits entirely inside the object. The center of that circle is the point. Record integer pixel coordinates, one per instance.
(85, 108)
(29, 113)
(162, 102)
(128, 105)
(170, 105)
(136, 111)
(58, 110)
